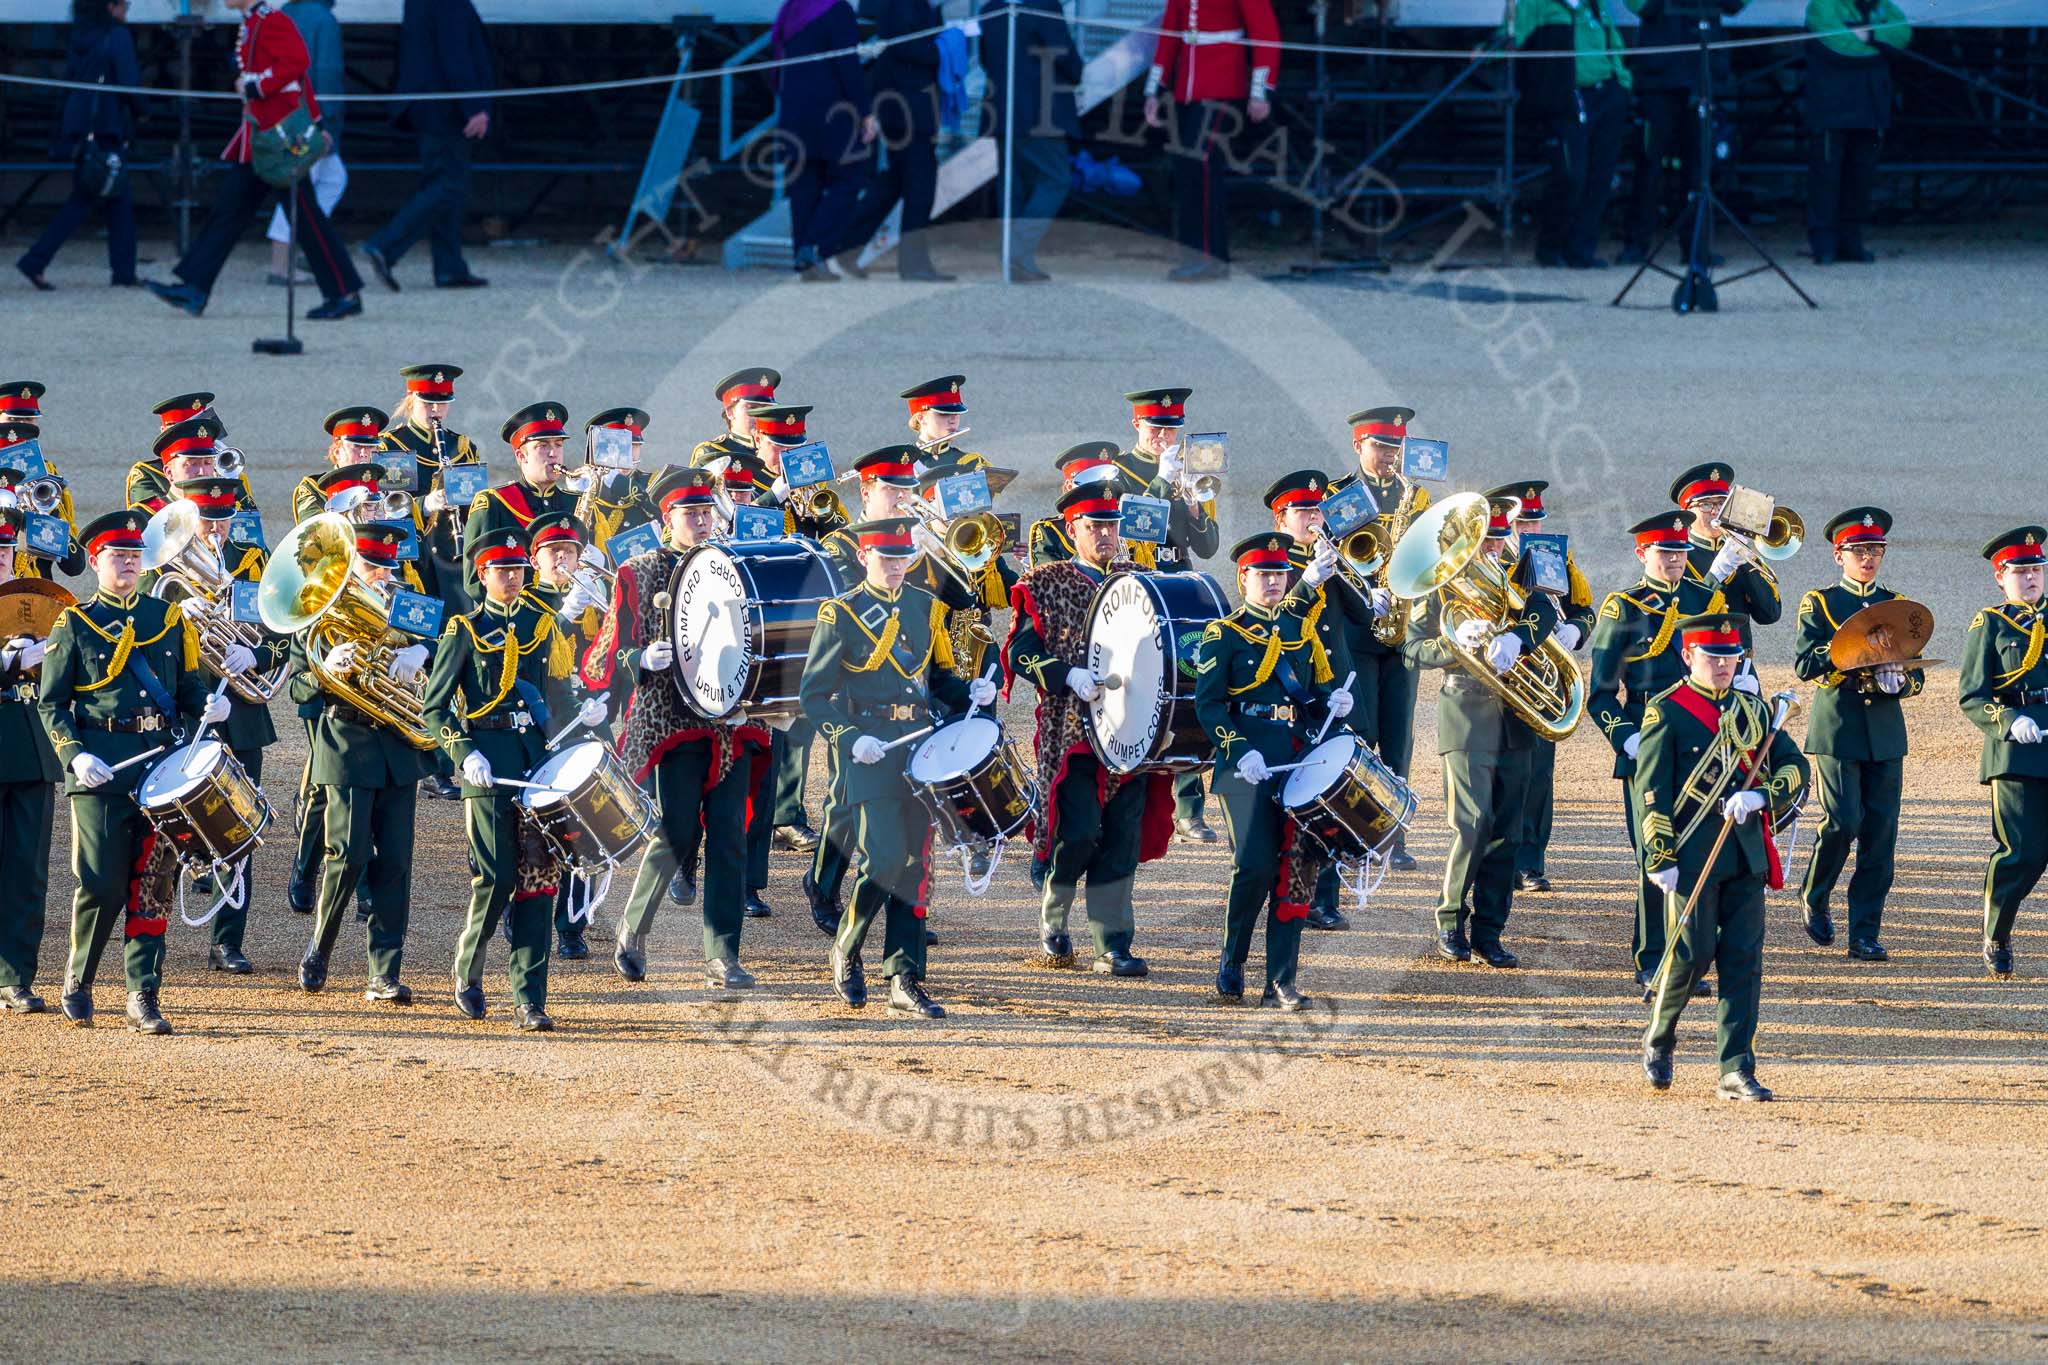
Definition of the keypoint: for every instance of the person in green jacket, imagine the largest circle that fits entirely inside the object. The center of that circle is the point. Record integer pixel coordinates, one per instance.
(2003, 689)
(738, 394)
(1856, 733)
(1582, 107)
(28, 777)
(538, 434)
(1848, 109)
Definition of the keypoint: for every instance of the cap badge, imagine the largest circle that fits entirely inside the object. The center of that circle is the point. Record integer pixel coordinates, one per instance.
(134, 524)
(1714, 474)
(204, 432)
(511, 543)
(549, 416)
(1678, 523)
(440, 378)
(1869, 520)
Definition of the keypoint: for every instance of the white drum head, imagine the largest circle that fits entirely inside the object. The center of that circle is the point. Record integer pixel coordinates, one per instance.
(952, 750)
(1124, 642)
(566, 771)
(179, 773)
(1318, 772)
(715, 651)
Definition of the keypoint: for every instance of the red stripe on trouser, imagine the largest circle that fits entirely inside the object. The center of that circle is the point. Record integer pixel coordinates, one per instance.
(924, 884)
(320, 239)
(1284, 909)
(138, 925)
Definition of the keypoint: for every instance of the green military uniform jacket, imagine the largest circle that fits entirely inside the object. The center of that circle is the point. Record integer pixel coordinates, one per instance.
(248, 725)
(348, 750)
(441, 548)
(25, 752)
(471, 682)
(1258, 674)
(1387, 493)
(879, 665)
(564, 691)
(727, 447)
(2003, 676)
(93, 672)
(509, 506)
(1470, 716)
(1673, 741)
(1748, 590)
(1336, 610)
(1190, 534)
(620, 504)
(1635, 654)
(1851, 720)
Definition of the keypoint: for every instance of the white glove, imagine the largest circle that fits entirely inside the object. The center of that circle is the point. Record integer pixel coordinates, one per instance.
(1252, 768)
(1340, 703)
(1321, 565)
(1471, 634)
(435, 502)
(1630, 745)
(407, 663)
(1747, 682)
(90, 772)
(1891, 679)
(580, 599)
(591, 714)
(779, 490)
(1382, 601)
(1568, 635)
(981, 691)
(1726, 562)
(1082, 684)
(23, 652)
(1665, 879)
(657, 656)
(476, 770)
(237, 660)
(2023, 730)
(867, 749)
(1739, 807)
(1169, 465)
(1503, 652)
(342, 657)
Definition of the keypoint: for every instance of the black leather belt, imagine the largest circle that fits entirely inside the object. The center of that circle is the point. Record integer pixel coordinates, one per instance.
(906, 712)
(510, 720)
(147, 723)
(1260, 710)
(349, 715)
(2033, 696)
(23, 692)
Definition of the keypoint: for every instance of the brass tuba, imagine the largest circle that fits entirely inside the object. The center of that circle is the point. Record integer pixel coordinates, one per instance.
(311, 585)
(193, 576)
(1440, 552)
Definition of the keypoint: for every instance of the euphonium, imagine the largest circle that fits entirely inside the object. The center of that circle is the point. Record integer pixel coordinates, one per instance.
(1440, 553)
(311, 585)
(191, 574)
(1391, 630)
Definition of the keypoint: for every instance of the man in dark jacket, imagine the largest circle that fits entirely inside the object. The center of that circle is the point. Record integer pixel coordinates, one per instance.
(1666, 86)
(1848, 109)
(823, 123)
(442, 48)
(101, 50)
(1047, 71)
(905, 81)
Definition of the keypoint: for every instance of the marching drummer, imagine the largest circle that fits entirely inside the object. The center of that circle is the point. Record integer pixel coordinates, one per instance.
(878, 664)
(1261, 680)
(1094, 825)
(579, 616)
(120, 678)
(28, 777)
(704, 771)
(738, 394)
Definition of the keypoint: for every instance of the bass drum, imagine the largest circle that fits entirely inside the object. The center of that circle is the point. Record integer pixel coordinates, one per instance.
(741, 614)
(971, 780)
(1346, 800)
(1146, 629)
(201, 799)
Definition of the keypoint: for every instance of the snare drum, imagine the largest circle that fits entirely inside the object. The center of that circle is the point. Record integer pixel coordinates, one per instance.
(587, 808)
(1346, 800)
(972, 781)
(741, 615)
(201, 799)
(1146, 629)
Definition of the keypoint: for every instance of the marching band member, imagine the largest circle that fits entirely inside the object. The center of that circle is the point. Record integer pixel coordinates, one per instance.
(1735, 582)
(149, 481)
(879, 663)
(1153, 464)
(1856, 735)
(355, 436)
(21, 419)
(738, 394)
(2003, 689)
(485, 703)
(936, 414)
(1679, 726)
(579, 616)
(22, 562)
(1387, 682)
(28, 778)
(620, 500)
(419, 427)
(1097, 826)
(364, 776)
(537, 436)
(705, 772)
(1087, 462)
(1486, 751)
(120, 677)
(1575, 612)
(779, 427)
(1260, 670)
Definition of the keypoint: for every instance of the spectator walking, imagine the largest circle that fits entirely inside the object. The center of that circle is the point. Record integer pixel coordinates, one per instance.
(315, 22)
(824, 114)
(442, 49)
(905, 81)
(1037, 118)
(93, 125)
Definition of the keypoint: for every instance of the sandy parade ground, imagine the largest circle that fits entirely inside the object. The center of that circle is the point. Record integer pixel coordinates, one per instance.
(1439, 1161)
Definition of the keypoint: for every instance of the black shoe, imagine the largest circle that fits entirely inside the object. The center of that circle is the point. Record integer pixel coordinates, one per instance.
(930, 939)
(464, 282)
(1820, 926)
(20, 999)
(534, 1019)
(1059, 949)
(76, 1002)
(380, 266)
(757, 907)
(1855, 255)
(907, 1000)
(1328, 918)
(1121, 964)
(35, 278)
(848, 978)
(1998, 957)
(799, 837)
(144, 1016)
(1635, 253)
(1532, 881)
(299, 896)
(1286, 997)
(570, 946)
(1823, 257)
(1025, 274)
(440, 788)
(346, 306)
(1493, 955)
(630, 957)
(1657, 1066)
(387, 990)
(1741, 1084)
(1549, 260)
(682, 888)
(225, 957)
(469, 1000)
(978, 859)
(824, 914)
(1230, 981)
(1703, 989)
(1400, 861)
(182, 296)
(312, 972)
(726, 974)
(1452, 945)
(1868, 950)
(1194, 830)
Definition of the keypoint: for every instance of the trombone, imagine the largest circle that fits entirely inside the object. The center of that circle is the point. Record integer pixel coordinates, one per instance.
(1780, 537)
(962, 547)
(192, 574)
(1359, 555)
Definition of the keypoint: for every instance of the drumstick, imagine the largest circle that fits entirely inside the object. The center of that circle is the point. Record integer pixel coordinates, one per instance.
(566, 730)
(914, 734)
(974, 706)
(1331, 719)
(131, 762)
(515, 782)
(1110, 683)
(1287, 767)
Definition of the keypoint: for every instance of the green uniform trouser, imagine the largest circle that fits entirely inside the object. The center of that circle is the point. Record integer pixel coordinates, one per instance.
(26, 811)
(658, 864)
(1187, 795)
(109, 840)
(2019, 819)
(894, 836)
(233, 919)
(792, 772)
(1727, 930)
(1483, 795)
(368, 834)
(834, 853)
(1859, 803)
(1097, 842)
(718, 819)
(1646, 943)
(494, 837)
(1256, 824)
(312, 823)
(1532, 844)
(761, 821)
(1384, 705)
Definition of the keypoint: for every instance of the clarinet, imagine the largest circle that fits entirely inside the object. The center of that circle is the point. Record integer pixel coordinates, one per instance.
(455, 514)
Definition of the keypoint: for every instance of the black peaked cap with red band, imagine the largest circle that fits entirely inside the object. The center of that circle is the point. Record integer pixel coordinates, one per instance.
(893, 465)
(554, 528)
(2022, 546)
(196, 436)
(1266, 550)
(1097, 501)
(1304, 487)
(1710, 480)
(1859, 526)
(886, 535)
(1160, 407)
(634, 420)
(1715, 632)
(431, 383)
(21, 399)
(215, 497)
(535, 421)
(184, 407)
(114, 531)
(1527, 492)
(684, 484)
(1665, 530)
(1386, 425)
(936, 395)
(757, 385)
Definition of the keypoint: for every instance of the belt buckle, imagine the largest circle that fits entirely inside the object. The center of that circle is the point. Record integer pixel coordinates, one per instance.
(521, 721)
(1285, 713)
(901, 712)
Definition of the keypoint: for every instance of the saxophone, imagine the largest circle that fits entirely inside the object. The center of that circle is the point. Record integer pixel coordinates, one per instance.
(1391, 630)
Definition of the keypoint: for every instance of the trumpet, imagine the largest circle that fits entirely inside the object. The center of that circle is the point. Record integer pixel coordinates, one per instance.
(193, 575)
(935, 442)
(229, 462)
(1198, 488)
(43, 495)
